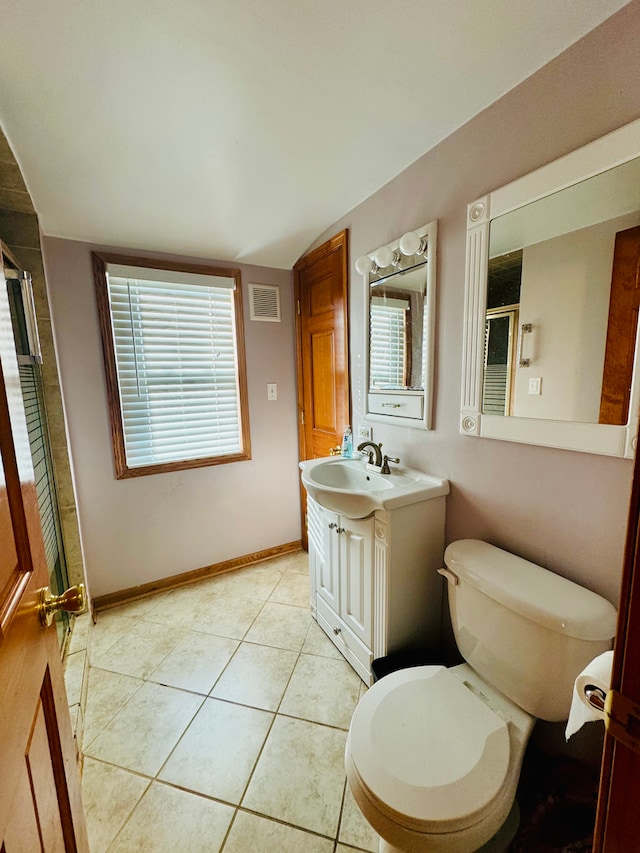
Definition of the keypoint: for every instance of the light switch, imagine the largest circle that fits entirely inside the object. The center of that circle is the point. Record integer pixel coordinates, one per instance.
(535, 385)
(272, 391)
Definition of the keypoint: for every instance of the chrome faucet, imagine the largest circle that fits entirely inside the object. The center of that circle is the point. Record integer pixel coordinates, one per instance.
(375, 449)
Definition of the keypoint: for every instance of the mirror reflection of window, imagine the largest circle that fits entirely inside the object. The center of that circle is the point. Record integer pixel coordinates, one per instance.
(396, 329)
(390, 345)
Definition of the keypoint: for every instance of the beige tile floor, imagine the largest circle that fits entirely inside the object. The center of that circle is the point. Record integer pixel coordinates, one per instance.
(216, 720)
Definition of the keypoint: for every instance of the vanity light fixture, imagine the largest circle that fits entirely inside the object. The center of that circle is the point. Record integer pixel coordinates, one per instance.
(412, 244)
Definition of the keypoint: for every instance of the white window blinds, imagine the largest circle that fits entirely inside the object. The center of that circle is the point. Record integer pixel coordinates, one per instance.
(177, 365)
(388, 342)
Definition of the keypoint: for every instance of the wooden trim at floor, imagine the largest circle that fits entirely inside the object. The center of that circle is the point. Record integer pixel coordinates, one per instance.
(113, 599)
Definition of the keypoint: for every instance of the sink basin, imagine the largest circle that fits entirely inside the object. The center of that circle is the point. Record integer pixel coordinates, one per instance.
(350, 475)
(347, 487)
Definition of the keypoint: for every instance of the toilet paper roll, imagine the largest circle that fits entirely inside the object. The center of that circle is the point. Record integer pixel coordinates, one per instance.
(597, 673)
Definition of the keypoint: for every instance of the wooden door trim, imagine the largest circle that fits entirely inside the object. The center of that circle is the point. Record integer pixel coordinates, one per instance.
(339, 242)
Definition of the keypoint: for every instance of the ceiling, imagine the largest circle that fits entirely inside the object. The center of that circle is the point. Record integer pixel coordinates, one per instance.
(241, 129)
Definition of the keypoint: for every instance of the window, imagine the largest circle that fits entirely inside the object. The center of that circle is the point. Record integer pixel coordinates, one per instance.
(173, 343)
(388, 355)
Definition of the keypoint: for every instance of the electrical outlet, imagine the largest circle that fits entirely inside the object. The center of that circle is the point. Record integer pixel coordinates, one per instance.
(365, 433)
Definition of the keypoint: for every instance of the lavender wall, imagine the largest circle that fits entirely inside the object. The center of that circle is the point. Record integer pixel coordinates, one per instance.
(139, 530)
(562, 509)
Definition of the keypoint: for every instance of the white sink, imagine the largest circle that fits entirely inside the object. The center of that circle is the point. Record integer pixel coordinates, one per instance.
(348, 474)
(346, 486)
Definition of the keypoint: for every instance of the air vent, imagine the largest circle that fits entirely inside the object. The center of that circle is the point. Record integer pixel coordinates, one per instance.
(265, 302)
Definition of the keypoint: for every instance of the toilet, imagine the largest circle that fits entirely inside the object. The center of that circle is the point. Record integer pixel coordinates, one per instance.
(433, 754)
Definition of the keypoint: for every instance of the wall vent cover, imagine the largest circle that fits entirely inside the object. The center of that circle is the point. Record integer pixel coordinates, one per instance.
(265, 302)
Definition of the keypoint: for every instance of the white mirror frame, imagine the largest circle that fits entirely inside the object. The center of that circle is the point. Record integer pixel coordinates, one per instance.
(429, 231)
(616, 148)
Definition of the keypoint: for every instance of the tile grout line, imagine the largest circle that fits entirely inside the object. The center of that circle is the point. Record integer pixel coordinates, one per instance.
(274, 716)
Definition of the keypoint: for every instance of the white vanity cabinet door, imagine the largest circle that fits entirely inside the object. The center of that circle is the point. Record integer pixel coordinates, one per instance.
(355, 537)
(341, 566)
(344, 576)
(327, 569)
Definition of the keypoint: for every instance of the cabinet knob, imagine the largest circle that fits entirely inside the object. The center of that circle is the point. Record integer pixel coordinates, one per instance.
(336, 631)
(333, 525)
(340, 530)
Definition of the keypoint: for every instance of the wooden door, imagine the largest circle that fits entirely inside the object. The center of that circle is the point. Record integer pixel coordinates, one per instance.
(321, 290)
(618, 817)
(40, 805)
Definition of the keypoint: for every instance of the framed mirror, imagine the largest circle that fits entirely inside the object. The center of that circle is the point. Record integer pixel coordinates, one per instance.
(399, 280)
(551, 303)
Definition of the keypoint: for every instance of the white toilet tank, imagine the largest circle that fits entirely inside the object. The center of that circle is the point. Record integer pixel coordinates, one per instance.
(524, 629)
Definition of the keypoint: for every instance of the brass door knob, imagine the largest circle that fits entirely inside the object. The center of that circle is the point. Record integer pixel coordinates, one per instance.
(72, 600)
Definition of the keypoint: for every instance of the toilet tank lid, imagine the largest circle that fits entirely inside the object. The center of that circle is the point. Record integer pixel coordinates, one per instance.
(538, 594)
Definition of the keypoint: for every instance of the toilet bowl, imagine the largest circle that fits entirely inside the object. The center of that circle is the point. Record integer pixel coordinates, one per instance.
(433, 755)
(433, 758)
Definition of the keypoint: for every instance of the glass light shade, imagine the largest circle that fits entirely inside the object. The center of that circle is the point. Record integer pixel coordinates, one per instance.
(364, 264)
(386, 257)
(412, 244)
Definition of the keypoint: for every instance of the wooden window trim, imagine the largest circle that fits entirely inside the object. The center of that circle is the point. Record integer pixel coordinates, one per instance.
(122, 469)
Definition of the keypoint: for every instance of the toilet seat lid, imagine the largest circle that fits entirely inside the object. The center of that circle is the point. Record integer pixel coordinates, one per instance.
(431, 752)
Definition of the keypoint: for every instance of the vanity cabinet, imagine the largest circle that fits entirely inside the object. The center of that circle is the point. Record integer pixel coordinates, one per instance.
(374, 583)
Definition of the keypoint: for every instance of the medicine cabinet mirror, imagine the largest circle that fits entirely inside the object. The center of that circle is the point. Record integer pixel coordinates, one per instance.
(551, 306)
(399, 281)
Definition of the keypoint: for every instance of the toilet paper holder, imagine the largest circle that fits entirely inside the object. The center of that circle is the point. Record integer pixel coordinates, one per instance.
(595, 696)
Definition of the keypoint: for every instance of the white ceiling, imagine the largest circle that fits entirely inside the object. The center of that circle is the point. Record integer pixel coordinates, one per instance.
(241, 129)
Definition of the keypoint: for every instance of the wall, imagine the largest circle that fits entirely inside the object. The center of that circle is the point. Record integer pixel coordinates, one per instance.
(564, 510)
(142, 529)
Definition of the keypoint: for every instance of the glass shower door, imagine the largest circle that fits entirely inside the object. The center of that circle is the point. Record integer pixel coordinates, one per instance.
(29, 362)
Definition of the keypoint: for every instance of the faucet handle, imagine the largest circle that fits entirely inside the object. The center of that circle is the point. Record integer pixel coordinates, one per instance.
(385, 464)
(368, 453)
